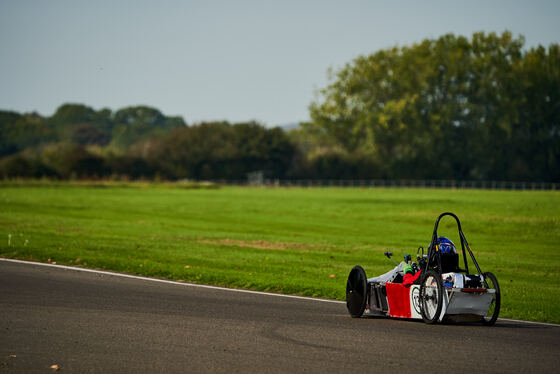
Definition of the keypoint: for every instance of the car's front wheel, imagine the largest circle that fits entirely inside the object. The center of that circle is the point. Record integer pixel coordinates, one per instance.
(356, 292)
(431, 296)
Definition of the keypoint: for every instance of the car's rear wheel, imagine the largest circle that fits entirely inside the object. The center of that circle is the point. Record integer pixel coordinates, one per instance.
(356, 292)
(494, 309)
(431, 296)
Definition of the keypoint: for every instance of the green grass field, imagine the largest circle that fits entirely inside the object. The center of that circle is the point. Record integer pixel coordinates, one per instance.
(289, 240)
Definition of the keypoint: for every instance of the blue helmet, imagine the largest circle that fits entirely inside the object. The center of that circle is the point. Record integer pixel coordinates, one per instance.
(446, 245)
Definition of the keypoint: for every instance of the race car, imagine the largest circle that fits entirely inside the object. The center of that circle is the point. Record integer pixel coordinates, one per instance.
(435, 289)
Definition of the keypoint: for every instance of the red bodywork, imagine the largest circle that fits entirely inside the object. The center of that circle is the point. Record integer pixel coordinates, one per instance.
(398, 296)
(398, 299)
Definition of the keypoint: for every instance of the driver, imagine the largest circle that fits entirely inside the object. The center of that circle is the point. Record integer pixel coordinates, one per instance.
(445, 245)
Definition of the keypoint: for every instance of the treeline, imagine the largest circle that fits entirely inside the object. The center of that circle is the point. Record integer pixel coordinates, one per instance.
(452, 108)
(136, 143)
(455, 108)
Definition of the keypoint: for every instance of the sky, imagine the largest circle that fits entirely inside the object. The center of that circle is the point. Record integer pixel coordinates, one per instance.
(244, 60)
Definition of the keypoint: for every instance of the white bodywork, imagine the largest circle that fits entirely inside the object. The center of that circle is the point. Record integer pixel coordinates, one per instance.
(388, 276)
(457, 303)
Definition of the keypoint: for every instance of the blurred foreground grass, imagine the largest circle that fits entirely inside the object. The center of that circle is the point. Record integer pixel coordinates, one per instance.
(289, 240)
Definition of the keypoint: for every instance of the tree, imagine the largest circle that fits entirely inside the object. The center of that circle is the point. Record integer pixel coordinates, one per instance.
(536, 132)
(262, 149)
(19, 131)
(134, 124)
(219, 150)
(73, 161)
(86, 133)
(68, 114)
(82, 124)
(19, 166)
(197, 152)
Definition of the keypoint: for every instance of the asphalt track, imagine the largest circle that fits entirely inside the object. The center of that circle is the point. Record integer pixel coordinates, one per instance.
(93, 322)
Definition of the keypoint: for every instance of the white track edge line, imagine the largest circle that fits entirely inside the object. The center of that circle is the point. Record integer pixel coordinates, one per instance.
(122, 275)
(528, 322)
(186, 284)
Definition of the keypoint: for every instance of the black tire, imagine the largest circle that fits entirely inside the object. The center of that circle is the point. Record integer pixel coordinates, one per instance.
(494, 310)
(356, 292)
(431, 296)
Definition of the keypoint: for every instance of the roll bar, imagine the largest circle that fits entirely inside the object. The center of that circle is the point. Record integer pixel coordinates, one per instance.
(434, 255)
